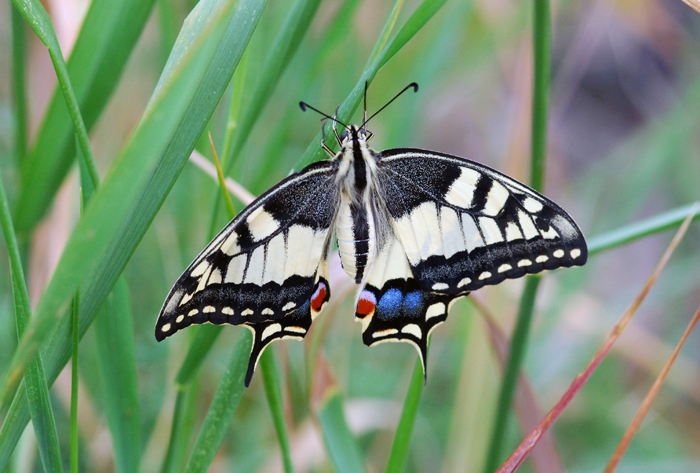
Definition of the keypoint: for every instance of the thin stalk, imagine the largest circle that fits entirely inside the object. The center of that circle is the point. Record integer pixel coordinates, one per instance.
(18, 75)
(402, 439)
(271, 377)
(74, 387)
(541, 55)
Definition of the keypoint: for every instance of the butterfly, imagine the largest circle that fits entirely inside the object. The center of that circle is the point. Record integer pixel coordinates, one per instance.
(416, 229)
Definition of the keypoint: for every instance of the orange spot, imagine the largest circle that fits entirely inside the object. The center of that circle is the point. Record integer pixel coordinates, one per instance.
(318, 298)
(366, 304)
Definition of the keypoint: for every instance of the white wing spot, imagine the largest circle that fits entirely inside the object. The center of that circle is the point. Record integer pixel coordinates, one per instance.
(492, 233)
(464, 282)
(165, 328)
(186, 298)
(227, 311)
(261, 224)
(179, 319)
(532, 205)
(504, 267)
(461, 192)
(385, 333)
(289, 306)
(575, 253)
(496, 199)
(193, 312)
(199, 269)
(435, 310)
(413, 329)
(512, 232)
(550, 234)
(267, 311)
(524, 262)
(295, 329)
(541, 259)
(215, 277)
(271, 330)
(209, 309)
(558, 253)
(484, 275)
(246, 313)
(230, 246)
(440, 286)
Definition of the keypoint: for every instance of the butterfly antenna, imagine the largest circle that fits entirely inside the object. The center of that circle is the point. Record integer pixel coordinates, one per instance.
(305, 105)
(411, 85)
(364, 121)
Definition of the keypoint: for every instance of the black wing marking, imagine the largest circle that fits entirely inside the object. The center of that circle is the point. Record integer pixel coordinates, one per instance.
(267, 268)
(464, 225)
(394, 307)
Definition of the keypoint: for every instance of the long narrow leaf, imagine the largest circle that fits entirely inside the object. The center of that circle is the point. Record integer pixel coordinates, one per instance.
(117, 363)
(212, 42)
(108, 35)
(37, 389)
(226, 399)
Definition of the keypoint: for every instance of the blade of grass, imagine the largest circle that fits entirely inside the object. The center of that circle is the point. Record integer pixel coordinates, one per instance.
(341, 445)
(635, 231)
(285, 45)
(271, 377)
(39, 20)
(525, 447)
(120, 212)
(182, 428)
(108, 35)
(37, 393)
(402, 439)
(228, 395)
(413, 25)
(75, 322)
(19, 41)
(541, 69)
(117, 369)
(651, 395)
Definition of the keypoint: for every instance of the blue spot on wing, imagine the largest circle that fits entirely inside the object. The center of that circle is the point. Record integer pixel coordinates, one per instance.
(390, 304)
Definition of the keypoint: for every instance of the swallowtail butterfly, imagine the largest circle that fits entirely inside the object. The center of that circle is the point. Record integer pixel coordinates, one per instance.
(415, 229)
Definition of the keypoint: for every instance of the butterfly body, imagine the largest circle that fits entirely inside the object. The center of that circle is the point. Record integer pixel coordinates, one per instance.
(415, 229)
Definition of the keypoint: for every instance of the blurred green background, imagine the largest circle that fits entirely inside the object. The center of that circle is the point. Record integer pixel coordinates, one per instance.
(623, 145)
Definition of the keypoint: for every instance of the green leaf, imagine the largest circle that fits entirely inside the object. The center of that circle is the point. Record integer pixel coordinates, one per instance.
(271, 376)
(37, 393)
(117, 363)
(208, 50)
(228, 395)
(107, 37)
(341, 445)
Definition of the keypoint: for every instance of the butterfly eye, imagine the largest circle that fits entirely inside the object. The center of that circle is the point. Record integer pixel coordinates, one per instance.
(344, 135)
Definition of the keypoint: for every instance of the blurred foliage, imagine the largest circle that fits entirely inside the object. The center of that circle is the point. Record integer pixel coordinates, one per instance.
(622, 146)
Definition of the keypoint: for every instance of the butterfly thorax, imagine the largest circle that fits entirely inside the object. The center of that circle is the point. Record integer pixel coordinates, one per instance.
(356, 224)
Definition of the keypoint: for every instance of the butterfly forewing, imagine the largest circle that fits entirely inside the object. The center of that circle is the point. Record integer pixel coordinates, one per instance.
(464, 225)
(267, 269)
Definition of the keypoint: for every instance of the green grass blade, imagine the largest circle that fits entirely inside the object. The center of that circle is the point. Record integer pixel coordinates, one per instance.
(635, 231)
(39, 20)
(415, 22)
(120, 212)
(117, 366)
(226, 399)
(541, 69)
(402, 440)
(183, 422)
(285, 45)
(271, 376)
(19, 41)
(341, 445)
(37, 393)
(203, 340)
(75, 323)
(107, 37)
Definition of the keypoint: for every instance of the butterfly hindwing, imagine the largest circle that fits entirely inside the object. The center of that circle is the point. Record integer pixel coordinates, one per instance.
(267, 268)
(464, 225)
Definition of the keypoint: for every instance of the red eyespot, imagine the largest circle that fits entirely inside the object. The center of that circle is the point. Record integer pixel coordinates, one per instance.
(319, 297)
(366, 304)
